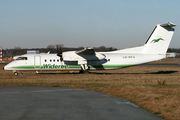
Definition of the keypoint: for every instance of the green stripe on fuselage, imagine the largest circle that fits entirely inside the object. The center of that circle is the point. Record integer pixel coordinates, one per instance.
(28, 67)
(49, 66)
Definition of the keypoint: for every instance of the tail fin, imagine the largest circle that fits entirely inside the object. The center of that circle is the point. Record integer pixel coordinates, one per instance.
(159, 40)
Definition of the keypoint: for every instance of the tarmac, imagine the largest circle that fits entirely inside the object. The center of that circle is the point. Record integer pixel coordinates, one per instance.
(54, 103)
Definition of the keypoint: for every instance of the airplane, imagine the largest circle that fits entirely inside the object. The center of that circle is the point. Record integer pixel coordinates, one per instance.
(88, 59)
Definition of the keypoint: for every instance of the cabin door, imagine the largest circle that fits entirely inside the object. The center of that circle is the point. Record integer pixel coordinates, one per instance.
(37, 61)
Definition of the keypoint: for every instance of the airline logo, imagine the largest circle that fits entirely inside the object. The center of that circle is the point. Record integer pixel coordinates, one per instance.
(156, 40)
(49, 66)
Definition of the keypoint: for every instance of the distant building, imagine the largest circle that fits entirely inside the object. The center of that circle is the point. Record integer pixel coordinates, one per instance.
(170, 55)
(32, 52)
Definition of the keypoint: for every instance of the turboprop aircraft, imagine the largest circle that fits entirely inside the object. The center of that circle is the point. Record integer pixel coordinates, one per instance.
(88, 59)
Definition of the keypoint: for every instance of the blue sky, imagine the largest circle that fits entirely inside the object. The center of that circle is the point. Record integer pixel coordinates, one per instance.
(75, 23)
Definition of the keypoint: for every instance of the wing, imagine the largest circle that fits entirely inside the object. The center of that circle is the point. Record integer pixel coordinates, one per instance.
(83, 56)
(90, 54)
(86, 51)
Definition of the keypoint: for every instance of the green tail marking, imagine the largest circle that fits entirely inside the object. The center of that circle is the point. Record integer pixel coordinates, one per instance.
(156, 40)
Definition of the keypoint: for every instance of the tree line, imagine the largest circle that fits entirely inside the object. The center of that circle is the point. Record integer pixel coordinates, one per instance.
(52, 48)
(60, 47)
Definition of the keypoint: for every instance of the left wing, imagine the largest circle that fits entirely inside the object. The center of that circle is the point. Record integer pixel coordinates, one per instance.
(86, 51)
(90, 54)
(83, 56)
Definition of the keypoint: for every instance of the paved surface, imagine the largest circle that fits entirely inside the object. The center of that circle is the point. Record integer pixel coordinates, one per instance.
(46, 103)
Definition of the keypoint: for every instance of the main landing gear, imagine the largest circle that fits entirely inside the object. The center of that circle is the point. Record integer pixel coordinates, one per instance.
(84, 69)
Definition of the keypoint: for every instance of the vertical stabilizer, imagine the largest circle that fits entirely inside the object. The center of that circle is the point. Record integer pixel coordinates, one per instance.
(159, 40)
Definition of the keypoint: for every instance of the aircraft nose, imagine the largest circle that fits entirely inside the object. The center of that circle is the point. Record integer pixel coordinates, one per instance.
(4, 68)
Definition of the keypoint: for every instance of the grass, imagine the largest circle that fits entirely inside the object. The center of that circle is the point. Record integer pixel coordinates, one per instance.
(156, 89)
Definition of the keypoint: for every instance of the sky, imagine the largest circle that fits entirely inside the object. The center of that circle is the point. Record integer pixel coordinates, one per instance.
(84, 23)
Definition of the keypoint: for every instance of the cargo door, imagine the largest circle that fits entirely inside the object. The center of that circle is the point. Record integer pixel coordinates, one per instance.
(37, 61)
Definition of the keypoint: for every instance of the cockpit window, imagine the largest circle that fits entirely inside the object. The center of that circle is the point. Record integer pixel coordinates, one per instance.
(21, 58)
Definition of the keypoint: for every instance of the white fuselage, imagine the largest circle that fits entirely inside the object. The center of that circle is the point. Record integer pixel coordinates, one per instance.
(113, 60)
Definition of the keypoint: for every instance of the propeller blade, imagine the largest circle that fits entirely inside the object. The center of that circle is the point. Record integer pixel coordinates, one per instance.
(59, 52)
(57, 48)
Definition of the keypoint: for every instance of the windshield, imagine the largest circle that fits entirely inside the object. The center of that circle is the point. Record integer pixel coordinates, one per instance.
(21, 58)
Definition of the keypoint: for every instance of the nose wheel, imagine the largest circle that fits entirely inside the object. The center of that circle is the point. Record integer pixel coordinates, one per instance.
(15, 73)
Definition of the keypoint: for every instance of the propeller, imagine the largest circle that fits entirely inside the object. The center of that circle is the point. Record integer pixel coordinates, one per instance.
(59, 52)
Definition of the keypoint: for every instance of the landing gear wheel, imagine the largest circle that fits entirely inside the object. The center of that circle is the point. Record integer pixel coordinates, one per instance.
(84, 71)
(81, 71)
(15, 73)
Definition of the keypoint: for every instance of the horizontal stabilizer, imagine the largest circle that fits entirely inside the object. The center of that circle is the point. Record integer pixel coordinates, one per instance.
(168, 25)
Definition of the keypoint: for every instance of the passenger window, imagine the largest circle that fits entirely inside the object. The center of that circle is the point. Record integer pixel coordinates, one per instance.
(21, 58)
(54, 60)
(45, 60)
(50, 60)
(57, 60)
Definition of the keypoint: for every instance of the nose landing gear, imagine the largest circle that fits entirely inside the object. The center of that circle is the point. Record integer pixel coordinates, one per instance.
(15, 73)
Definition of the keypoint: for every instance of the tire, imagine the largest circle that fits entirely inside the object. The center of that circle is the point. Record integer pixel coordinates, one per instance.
(15, 73)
